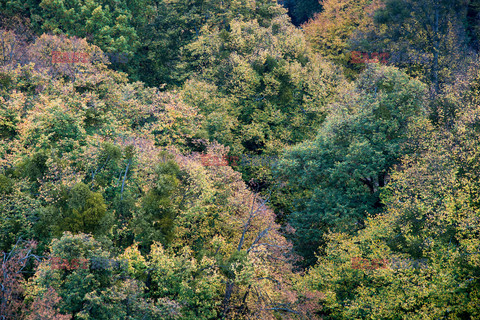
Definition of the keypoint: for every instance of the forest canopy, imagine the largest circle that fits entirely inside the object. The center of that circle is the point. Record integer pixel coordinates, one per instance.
(248, 159)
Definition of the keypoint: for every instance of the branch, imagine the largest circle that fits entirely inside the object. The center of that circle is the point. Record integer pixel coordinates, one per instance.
(97, 170)
(368, 182)
(259, 237)
(124, 178)
(286, 309)
(247, 224)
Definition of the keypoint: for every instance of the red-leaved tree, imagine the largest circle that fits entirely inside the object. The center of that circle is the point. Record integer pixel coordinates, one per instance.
(12, 265)
(12, 283)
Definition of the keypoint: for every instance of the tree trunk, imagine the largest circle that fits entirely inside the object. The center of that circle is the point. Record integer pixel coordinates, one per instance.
(124, 178)
(436, 45)
(226, 300)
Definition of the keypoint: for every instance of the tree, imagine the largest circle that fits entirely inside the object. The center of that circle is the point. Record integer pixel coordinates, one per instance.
(13, 265)
(260, 89)
(331, 31)
(61, 129)
(337, 177)
(79, 210)
(155, 221)
(91, 283)
(18, 212)
(105, 23)
(472, 23)
(426, 37)
(431, 213)
(45, 307)
(179, 23)
(125, 300)
(237, 232)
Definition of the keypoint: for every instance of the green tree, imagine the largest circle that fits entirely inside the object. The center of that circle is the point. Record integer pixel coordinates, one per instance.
(179, 23)
(236, 234)
(338, 176)
(155, 220)
(79, 210)
(432, 213)
(18, 212)
(107, 24)
(91, 283)
(260, 89)
(196, 284)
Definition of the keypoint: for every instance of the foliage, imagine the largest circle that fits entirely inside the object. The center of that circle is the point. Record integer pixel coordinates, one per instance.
(106, 177)
(14, 264)
(178, 23)
(151, 33)
(271, 89)
(331, 31)
(79, 210)
(18, 212)
(260, 89)
(431, 213)
(111, 25)
(338, 176)
(44, 307)
(159, 206)
(70, 152)
(100, 291)
(435, 33)
(88, 150)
